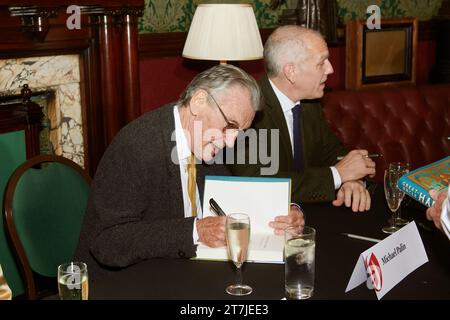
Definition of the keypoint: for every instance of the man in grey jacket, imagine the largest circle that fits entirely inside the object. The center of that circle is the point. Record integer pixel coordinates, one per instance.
(141, 205)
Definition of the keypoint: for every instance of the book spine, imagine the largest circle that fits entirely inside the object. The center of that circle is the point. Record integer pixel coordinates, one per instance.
(415, 191)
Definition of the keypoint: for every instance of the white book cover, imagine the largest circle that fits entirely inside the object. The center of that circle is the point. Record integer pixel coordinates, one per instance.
(262, 199)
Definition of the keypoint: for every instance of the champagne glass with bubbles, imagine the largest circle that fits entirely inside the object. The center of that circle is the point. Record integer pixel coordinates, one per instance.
(73, 281)
(402, 168)
(238, 238)
(393, 195)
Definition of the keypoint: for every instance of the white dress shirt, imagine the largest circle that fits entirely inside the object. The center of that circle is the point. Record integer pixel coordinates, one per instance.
(287, 105)
(184, 153)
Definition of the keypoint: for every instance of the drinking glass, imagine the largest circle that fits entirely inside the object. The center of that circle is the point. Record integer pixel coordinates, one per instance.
(299, 266)
(402, 168)
(73, 281)
(393, 195)
(238, 237)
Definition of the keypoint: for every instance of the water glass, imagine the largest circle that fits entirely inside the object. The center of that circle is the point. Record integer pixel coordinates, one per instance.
(299, 267)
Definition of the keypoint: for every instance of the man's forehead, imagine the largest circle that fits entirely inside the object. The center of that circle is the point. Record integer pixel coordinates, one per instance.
(318, 52)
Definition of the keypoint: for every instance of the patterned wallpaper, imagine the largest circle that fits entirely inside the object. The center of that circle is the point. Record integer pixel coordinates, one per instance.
(176, 15)
(356, 9)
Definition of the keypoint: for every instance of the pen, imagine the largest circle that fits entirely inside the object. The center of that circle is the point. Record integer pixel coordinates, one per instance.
(372, 155)
(354, 236)
(216, 208)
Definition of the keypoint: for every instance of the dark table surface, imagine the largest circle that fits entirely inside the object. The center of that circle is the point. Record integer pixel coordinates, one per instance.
(336, 256)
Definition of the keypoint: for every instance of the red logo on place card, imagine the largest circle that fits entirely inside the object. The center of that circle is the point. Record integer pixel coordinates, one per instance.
(374, 270)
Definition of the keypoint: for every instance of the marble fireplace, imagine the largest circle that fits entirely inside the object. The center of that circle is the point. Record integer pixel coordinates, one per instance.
(59, 75)
(90, 73)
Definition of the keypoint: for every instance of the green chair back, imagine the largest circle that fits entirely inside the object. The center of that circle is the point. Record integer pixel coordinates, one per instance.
(12, 154)
(47, 206)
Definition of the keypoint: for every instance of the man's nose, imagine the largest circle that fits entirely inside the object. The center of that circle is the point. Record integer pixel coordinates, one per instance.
(330, 69)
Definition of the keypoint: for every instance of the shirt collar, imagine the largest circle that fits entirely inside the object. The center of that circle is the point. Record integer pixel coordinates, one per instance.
(286, 103)
(184, 152)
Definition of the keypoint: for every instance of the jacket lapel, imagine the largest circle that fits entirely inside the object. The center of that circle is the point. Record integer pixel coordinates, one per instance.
(167, 124)
(275, 115)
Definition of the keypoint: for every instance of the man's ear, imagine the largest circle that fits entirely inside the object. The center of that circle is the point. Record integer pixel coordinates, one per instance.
(199, 101)
(289, 72)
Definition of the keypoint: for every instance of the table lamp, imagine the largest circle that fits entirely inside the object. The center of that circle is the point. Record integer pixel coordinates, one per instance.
(223, 32)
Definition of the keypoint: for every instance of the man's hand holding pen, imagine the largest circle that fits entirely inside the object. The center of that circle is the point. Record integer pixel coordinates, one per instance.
(355, 166)
(211, 231)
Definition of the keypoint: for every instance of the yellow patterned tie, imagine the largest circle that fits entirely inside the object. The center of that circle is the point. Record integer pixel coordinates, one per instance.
(192, 183)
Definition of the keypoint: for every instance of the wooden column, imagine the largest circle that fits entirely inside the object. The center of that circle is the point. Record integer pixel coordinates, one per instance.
(119, 69)
(130, 63)
(111, 90)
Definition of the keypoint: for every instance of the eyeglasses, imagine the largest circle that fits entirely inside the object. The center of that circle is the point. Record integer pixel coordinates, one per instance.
(230, 127)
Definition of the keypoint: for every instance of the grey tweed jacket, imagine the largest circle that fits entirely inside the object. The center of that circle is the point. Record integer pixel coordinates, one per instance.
(135, 211)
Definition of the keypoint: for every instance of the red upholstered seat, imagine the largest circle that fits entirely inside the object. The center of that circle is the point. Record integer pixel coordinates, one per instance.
(404, 124)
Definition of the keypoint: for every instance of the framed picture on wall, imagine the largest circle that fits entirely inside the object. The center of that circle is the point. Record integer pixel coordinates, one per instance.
(380, 57)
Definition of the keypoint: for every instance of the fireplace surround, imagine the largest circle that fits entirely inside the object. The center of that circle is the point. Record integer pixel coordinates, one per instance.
(93, 70)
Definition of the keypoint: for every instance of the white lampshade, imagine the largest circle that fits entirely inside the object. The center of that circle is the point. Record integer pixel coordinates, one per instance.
(223, 32)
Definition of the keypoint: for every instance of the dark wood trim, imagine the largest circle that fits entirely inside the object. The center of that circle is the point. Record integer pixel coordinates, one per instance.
(23, 116)
(8, 210)
(52, 3)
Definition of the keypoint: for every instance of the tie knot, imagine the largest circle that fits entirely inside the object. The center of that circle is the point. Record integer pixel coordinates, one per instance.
(296, 108)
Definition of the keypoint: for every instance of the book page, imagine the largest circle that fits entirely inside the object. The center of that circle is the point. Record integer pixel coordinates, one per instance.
(263, 248)
(262, 199)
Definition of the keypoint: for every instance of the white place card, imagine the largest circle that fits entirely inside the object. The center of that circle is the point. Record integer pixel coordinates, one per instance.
(389, 261)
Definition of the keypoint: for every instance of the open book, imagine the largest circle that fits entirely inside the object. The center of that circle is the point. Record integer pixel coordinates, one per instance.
(262, 199)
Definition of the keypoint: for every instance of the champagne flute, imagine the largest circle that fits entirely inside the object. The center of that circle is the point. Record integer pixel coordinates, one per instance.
(238, 237)
(73, 281)
(393, 197)
(402, 168)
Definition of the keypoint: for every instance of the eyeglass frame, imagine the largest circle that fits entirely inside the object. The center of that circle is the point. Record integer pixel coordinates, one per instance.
(230, 125)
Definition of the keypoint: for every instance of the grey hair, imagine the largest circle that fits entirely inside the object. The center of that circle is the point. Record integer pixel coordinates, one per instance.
(218, 79)
(287, 44)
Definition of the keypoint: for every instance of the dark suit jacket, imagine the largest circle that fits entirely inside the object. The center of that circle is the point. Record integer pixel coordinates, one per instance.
(320, 148)
(135, 211)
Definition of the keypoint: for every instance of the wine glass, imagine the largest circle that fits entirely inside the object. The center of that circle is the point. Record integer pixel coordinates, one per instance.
(73, 281)
(393, 195)
(402, 168)
(238, 237)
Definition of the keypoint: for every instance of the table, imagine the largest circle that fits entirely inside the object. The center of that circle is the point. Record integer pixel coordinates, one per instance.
(336, 256)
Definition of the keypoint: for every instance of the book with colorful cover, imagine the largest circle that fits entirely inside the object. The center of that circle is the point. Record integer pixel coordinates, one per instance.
(419, 182)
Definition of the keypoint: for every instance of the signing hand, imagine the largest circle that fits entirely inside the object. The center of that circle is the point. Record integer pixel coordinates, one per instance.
(295, 218)
(211, 231)
(356, 165)
(353, 194)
